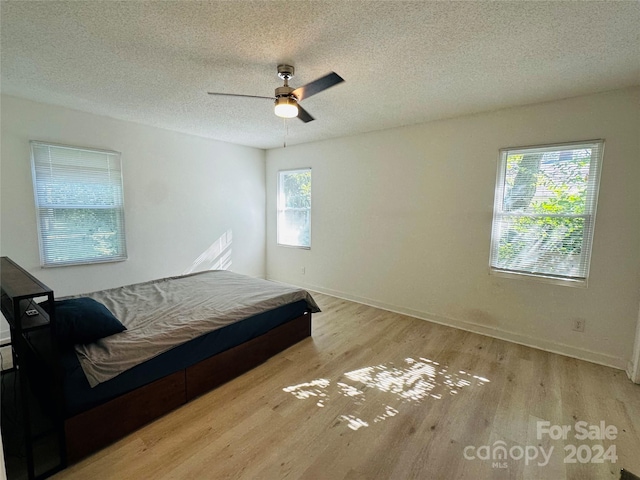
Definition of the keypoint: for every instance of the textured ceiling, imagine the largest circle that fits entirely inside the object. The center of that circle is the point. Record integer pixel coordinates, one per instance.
(403, 62)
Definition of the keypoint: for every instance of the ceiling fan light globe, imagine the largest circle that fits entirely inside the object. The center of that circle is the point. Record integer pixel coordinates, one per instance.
(286, 108)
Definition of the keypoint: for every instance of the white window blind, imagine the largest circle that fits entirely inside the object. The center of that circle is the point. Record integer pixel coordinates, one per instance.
(79, 204)
(294, 208)
(544, 210)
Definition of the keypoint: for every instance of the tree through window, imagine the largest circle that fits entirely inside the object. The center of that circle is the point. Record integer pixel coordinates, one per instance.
(294, 208)
(545, 209)
(79, 204)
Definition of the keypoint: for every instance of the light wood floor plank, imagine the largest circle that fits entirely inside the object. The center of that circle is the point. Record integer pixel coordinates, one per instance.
(378, 395)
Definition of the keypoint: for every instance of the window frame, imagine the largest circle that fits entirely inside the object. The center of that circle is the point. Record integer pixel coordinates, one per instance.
(119, 206)
(280, 209)
(591, 202)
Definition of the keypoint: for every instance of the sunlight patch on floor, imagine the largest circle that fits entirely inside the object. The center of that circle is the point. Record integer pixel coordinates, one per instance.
(415, 381)
(316, 388)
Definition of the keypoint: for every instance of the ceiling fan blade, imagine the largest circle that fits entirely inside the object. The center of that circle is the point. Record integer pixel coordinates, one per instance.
(304, 115)
(238, 95)
(318, 85)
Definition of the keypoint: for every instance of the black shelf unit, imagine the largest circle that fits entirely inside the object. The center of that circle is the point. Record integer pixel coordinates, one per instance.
(35, 358)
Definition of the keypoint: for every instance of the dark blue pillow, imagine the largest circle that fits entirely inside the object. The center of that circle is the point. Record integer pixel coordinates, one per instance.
(84, 320)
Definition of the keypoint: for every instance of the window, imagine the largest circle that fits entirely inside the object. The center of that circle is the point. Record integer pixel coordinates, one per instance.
(544, 211)
(294, 208)
(79, 204)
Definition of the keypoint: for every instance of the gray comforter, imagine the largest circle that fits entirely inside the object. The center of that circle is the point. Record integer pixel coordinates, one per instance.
(162, 314)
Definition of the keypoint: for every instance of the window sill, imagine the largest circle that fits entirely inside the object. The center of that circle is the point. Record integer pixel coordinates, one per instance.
(301, 247)
(565, 282)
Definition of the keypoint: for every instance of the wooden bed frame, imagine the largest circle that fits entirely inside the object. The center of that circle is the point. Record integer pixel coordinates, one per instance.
(93, 429)
(102, 425)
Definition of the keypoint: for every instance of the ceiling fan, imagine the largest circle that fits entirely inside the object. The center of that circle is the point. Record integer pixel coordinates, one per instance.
(286, 98)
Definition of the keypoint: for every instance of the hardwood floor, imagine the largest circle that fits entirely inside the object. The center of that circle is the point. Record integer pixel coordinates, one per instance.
(379, 395)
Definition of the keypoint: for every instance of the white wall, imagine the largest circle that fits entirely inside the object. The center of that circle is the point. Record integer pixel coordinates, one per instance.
(182, 195)
(402, 219)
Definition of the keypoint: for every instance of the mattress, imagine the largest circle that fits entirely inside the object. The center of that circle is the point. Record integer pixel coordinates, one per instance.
(79, 396)
(162, 314)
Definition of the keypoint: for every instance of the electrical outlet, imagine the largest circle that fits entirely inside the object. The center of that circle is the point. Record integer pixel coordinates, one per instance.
(578, 325)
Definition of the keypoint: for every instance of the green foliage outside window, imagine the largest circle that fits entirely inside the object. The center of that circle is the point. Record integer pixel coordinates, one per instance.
(544, 211)
(297, 190)
(294, 219)
(79, 201)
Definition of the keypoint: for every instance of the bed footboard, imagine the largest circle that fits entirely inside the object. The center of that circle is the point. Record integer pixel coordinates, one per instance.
(214, 371)
(92, 430)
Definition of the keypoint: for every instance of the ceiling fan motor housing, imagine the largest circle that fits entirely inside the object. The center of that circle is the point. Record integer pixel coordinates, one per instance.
(285, 92)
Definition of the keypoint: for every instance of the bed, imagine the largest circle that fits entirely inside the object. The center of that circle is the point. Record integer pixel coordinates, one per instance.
(178, 338)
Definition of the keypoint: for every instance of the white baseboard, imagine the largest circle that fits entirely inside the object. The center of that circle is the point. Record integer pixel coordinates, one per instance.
(526, 340)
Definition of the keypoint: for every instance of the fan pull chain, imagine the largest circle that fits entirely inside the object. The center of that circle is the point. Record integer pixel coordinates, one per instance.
(286, 132)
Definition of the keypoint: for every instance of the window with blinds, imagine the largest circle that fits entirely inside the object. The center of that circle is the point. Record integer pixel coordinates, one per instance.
(294, 208)
(79, 204)
(544, 210)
